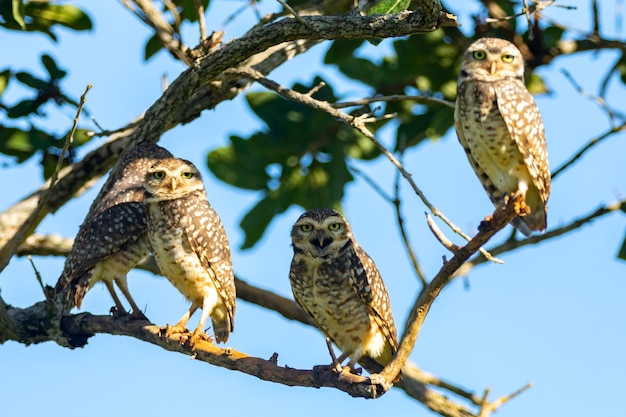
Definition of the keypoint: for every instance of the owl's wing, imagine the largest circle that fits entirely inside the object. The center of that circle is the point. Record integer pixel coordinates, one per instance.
(529, 136)
(100, 236)
(366, 281)
(208, 241)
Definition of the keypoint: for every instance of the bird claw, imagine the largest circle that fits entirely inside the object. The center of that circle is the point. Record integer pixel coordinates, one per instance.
(138, 315)
(197, 336)
(167, 331)
(118, 313)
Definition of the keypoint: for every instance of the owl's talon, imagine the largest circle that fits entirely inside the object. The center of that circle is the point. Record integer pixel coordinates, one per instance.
(196, 336)
(138, 315)
(167, 331)
(118, 313)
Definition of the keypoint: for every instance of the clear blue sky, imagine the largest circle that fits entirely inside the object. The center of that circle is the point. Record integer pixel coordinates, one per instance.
(552, 315)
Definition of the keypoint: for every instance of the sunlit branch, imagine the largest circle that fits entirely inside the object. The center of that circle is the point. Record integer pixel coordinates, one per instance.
(149, 14)
(414, 380)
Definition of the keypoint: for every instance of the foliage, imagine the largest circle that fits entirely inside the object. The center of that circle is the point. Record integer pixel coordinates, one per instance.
(292, 160)
(24, 142)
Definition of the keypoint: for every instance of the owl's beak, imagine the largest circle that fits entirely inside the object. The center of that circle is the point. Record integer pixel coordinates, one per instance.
(321, 240)
(173, 184)
(492, 67)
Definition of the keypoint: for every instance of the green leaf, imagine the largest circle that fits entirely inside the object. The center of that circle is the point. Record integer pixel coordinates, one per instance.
(389, 6)
(55, 72)
(259, 217)
(432, 124)
(32, 81)
(67, 15)
(341, 50)
(240, 169)
(23, 108)
(5, 77)
(81, 137)
(153, 45)
(535, 84)
(18, 12)
(187, 9)
(15, 142)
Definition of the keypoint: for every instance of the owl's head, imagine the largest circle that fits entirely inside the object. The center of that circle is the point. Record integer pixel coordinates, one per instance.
(492, 59)
(320, 232)
(171, 178)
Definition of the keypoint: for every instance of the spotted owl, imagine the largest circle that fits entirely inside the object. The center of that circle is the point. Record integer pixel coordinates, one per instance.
(340, 289)
(499, 126)
(190, 245)
(112, 239)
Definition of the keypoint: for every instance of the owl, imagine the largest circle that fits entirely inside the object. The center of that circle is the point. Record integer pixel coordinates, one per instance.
(500, 129)
(190, 245)
(340, 289)
(112, 238)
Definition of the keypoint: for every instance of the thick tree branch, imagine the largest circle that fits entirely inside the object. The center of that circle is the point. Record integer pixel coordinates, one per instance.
(513, 244)
(167, 110)
(488, 228)
(414, 381)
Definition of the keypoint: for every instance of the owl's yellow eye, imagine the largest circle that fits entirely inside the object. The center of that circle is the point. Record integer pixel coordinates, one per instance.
(187, 175)
(159, 175)
(479, 55)
(334, 226)
(508, 58)
(306, 227)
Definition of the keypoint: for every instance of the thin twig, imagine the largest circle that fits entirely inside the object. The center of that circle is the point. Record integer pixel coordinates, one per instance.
(7, 251)
(611, 114)
(486, 408)
(294, 13)
(397, 203)
(512, 244)
(592, 143)
(447, 243)
(37, 275)
(394, 97)
(489, 227)
(358, 124)
(201, 21)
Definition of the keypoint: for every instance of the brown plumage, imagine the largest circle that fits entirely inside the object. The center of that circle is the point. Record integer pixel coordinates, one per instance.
(339, 287)
(500, 128)
(112, 238)
(190, 245)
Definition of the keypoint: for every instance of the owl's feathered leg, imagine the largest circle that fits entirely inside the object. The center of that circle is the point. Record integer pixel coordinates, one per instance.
(119, 309)
(123, 286)
(181, 326)
(335, 363)
(198, 333)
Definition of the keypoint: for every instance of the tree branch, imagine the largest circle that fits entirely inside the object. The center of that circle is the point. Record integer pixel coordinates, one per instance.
(177, 105)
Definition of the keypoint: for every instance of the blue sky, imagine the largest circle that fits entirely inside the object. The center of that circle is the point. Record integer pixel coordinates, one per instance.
(552, 315)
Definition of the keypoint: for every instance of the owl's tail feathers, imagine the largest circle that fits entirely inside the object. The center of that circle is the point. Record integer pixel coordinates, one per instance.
(70, 291)
(222, 329)
(532, 222)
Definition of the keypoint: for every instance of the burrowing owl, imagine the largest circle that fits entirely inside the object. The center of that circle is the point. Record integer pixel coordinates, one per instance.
(190, 245)
(499, 126)
(339, 287)
(112, 238)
